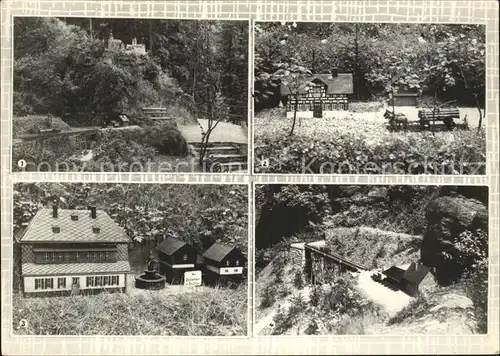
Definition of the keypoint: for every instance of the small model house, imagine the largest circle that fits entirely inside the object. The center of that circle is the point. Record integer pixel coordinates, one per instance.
(176, 257)
(407, 280)
(318, 95)
(405, 97)
(70, 250)
(223, 263)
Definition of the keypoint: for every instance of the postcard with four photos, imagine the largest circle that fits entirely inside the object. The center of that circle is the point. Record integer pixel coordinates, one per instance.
(249, 177)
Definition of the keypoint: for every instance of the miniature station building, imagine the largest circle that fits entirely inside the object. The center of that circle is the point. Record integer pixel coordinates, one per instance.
(65, 250)
(407, 280)
(318, 95)
(176, 257)
(223, 263)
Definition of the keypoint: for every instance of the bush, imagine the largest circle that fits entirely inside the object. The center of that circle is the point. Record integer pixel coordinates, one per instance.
(417, 307)
(167, 139)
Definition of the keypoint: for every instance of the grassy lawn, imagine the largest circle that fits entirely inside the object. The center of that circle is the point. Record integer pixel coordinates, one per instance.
(200, 311)
(360, 143)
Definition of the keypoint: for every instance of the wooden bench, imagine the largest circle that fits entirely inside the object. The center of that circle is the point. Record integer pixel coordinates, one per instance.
(446, 115)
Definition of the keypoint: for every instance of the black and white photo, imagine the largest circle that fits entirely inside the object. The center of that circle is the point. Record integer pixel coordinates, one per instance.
(130, 95)
(371, 260)
(369, 98)
(130, 259)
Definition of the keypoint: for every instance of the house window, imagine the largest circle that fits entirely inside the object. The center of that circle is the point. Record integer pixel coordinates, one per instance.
(90, 281)
(77, 256)
(184, 257)
(101, 256)
(76, 281)
(106, 280)
(98, 281)
(66, 256)
(237, 262)
(95, 256)
(61, 282)
(106, 256)
(53, 256)
(38, 283)
(89, 256)
(114, 280)
(227, 263)
(60, 256)
(46, 257)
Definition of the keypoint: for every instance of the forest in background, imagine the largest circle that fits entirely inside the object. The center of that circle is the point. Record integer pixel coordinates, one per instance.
(436, 59)
(61, 68)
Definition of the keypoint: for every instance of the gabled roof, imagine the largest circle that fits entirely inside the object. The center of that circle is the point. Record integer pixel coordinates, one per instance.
(340, 84)
(40, 229)
(217, 252)
(170, 245)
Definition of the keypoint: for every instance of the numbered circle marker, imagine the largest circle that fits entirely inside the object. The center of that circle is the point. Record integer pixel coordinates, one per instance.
(23, 323)
(264, 163)
(21, 163)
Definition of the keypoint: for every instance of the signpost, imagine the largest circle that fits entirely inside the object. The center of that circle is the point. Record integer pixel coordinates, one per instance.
(192, 278)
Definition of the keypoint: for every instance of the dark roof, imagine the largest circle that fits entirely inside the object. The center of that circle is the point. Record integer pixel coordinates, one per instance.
(40, 229)
(341, 84)
(170, 245)
(217, 252)
(394, 272)
(33, 269)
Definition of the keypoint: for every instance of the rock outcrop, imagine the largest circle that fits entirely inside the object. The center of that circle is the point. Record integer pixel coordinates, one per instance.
(447, 217)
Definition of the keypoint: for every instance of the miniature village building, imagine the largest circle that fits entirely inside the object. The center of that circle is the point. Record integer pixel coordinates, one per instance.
(318, 95)
(66, 250)
(176, 257)
(223, 263)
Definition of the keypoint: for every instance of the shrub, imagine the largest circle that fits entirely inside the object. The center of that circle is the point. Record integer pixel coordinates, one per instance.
(298, 278)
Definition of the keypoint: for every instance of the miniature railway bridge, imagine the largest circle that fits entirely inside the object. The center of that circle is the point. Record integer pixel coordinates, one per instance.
(90, 133)
(318, 261)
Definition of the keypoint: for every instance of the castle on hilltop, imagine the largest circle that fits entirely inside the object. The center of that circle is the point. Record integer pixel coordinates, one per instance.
(116, 45)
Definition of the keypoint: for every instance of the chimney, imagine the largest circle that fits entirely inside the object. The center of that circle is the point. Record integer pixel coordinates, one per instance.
(335, 72)
(93, 212)
(54, 211)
